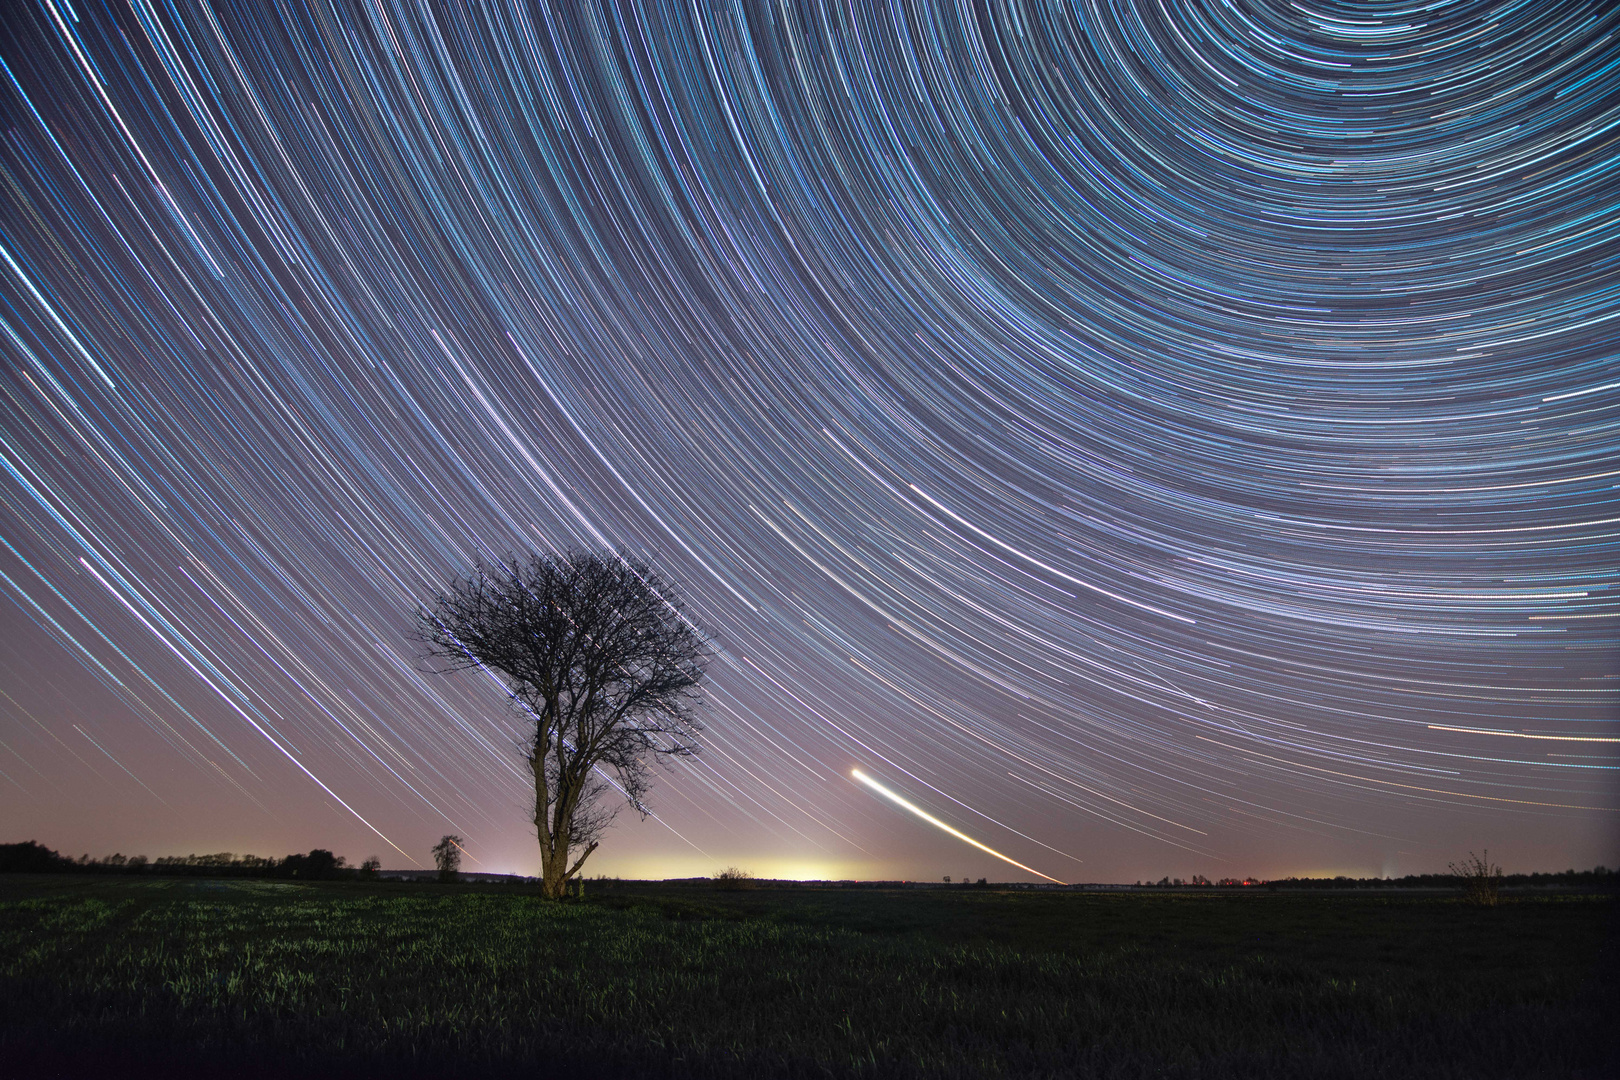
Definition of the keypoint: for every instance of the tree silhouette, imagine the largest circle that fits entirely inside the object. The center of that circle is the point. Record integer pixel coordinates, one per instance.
(597, 650)
(31, 857)
(447, 857)
(318, 865)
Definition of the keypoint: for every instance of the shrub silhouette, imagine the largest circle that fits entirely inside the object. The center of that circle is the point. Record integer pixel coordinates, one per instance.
(733, 878)
(1481, 881)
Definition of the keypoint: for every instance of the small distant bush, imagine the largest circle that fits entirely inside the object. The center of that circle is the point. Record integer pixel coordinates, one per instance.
(1482, 882)
(733, 878)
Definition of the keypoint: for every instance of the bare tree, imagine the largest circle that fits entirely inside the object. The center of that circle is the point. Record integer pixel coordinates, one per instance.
(597, 650)
(447, 857)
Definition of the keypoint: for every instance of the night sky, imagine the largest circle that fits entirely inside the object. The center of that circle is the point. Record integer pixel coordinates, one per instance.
(1155, 443)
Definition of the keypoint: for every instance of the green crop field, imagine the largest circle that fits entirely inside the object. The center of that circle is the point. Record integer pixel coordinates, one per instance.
(166, 977)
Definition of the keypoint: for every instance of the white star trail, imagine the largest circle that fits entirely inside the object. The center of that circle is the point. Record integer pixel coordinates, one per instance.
(1207, 410)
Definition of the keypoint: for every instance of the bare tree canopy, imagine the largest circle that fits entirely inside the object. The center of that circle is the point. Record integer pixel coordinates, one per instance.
(598, 652)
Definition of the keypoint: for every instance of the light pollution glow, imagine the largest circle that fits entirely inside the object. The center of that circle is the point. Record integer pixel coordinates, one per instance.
(938, 824)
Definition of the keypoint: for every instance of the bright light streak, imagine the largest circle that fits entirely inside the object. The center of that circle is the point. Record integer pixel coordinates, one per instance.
(1522, 735)
(934, 821)
(463, 850)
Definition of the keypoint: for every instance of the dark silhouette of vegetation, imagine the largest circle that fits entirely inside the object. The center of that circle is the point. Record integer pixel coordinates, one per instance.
(447, 857)
(1469, 876)
(1482, 882)
(598, 652)
(1599, 877)
(31, 858)
(318, 865)
(733, 878)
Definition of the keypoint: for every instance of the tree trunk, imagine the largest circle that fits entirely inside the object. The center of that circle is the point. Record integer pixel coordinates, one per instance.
(553, 871)
(553, 841)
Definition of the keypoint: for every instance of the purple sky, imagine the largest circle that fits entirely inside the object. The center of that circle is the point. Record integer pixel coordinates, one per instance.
(1152, 442)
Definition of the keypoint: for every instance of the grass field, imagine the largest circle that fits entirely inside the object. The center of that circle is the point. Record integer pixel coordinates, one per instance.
(165, 977)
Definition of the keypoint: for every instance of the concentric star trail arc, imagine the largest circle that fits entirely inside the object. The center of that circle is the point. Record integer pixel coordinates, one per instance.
(1204, 410)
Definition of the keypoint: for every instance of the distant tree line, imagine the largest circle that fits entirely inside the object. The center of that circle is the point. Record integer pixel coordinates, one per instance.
(1600, 877)
(1200, 881)
(318, 865)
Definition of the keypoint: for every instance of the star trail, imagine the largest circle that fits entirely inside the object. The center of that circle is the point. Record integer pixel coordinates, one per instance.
(1168, 438)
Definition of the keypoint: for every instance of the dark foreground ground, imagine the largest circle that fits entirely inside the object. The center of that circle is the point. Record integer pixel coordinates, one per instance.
(166, 977)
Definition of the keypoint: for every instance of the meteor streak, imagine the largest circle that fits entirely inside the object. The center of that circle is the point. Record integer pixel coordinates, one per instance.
(934, 821)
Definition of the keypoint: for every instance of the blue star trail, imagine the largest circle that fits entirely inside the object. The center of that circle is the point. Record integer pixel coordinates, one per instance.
(1163, 437)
